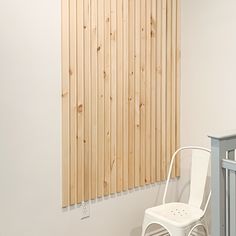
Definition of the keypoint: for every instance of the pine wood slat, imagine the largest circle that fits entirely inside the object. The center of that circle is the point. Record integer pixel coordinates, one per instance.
(120, 95)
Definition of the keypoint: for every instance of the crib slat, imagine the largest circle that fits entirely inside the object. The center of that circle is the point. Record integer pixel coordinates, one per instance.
(232, 203)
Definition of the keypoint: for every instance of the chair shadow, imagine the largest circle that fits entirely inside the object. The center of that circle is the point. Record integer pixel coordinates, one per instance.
(136, 231)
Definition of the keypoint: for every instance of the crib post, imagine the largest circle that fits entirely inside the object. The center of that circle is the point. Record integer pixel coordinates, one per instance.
(222, 162)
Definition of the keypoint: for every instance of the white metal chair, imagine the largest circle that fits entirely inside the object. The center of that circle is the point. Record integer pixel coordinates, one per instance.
(181, 219)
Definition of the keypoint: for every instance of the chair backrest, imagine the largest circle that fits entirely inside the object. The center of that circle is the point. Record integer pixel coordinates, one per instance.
(199, 172)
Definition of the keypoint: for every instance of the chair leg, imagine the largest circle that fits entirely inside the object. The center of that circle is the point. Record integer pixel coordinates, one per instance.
(198, 225)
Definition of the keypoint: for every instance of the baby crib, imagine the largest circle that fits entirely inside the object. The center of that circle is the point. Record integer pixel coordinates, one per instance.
(223, 184)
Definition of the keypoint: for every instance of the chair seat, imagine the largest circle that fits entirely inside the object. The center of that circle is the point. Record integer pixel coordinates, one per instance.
(177, 214)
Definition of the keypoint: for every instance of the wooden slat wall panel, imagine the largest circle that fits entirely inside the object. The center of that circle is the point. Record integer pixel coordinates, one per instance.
(163, 91)
(101, 111)
(173, 80)
(73, 102)
(148, 92)
(65, 104)
(80, 100)
(153, 89)
(87, 102)
(126, 30)
(94, 87)
(158, 90)
(178, 60)
(120, 95)
(107, 78)
(131, 89)
(168, 83)
(137, 91)
(142, 93)
(113, 40)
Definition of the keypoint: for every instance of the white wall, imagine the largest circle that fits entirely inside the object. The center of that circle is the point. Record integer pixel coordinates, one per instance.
(30, 131)
(208, 99)
(208, 69)
(30, 135)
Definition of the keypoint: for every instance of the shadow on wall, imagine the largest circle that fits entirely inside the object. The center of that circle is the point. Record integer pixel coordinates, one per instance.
(136, 231)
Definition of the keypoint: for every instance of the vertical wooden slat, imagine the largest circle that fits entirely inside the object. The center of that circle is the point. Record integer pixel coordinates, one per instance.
(80, 100)
(137, 92)
(101, 110)
(87, 100)
(178, 74)
(131, 91)
(94, 97)
(107, 77)
(119, 96)
(65, 104)
(125, 94)
(142, 94)
(113, 96)
(163, 92)
(153, 91)
(158, 90)
(148, 92)
(73, 104)
(173, 80)
(168, 84)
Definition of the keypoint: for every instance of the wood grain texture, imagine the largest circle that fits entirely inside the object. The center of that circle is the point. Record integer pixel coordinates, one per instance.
(137, 90)
(101, 109)
(113, 40)
(168, 84)
(131, 91)
(107, 78)
(120, 95)
(173, 80)
(73, 104)
(163, 91)
(125, 128)
(94, 96)
(65, 104)
(148, 93)
(153, 34)
(87, 102)
(158, 90)
(142, 105)
(178, 76)
(80, 100)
